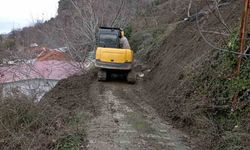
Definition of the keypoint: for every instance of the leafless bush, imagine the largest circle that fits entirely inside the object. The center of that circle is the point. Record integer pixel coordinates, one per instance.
(28, 125)
(217, 35)
(22, 123)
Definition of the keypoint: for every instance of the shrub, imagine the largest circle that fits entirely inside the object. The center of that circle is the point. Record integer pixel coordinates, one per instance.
(25, 124)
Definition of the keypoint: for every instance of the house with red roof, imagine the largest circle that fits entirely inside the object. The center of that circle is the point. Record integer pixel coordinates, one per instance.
(46, 69)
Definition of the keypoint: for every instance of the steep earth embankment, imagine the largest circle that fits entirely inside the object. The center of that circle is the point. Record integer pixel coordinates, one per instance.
(181, 52)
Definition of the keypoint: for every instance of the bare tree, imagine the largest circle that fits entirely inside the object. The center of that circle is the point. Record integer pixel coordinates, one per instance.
(223, 32)
(86, 16)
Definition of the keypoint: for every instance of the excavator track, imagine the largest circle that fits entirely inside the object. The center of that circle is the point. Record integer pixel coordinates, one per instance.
(131, 77)
(102, 75)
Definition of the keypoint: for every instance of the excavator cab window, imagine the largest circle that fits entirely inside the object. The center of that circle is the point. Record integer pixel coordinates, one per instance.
(108, 40)
(109, 37)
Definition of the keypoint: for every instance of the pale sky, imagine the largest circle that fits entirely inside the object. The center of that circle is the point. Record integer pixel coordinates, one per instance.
(20, 13)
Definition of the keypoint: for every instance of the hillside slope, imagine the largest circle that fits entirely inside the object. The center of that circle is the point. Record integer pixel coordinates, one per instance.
(176, 53)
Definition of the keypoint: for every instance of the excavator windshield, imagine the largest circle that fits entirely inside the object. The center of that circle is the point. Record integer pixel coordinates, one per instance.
(109, 40)
(109, 37)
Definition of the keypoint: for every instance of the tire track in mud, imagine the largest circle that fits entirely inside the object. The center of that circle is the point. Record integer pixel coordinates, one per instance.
(126, 122)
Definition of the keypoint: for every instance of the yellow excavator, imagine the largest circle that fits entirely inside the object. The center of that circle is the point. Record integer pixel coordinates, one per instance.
(113, 54)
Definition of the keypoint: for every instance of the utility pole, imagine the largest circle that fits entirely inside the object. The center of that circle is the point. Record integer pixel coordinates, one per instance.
(243, 36)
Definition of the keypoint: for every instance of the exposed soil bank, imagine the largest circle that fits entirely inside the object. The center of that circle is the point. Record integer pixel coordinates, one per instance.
(74, 93)
(182, 52)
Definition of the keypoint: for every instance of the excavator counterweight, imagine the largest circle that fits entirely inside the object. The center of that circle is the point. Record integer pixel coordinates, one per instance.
(113, 54)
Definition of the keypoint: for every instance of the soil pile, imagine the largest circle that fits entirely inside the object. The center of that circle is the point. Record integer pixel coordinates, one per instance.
(73, 93)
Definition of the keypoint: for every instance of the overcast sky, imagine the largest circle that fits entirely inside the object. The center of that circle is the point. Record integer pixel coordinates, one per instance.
(20, 13)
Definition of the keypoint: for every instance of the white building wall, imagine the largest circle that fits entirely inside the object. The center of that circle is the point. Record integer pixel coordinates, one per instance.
(35, 88)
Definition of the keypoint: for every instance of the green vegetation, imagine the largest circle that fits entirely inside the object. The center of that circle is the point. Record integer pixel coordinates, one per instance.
(71, 142)
(218, 83)
(157, 2)
(128, 31)
(219, 80)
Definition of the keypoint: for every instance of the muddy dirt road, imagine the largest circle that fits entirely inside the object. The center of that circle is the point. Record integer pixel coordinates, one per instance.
(126, 122)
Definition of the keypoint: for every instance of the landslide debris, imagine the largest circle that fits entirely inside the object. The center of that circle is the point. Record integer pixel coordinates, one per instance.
(73, 93)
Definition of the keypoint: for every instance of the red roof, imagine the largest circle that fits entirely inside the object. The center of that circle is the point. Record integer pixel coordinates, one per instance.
(53, 55)
(54, 70)
(49, 64)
